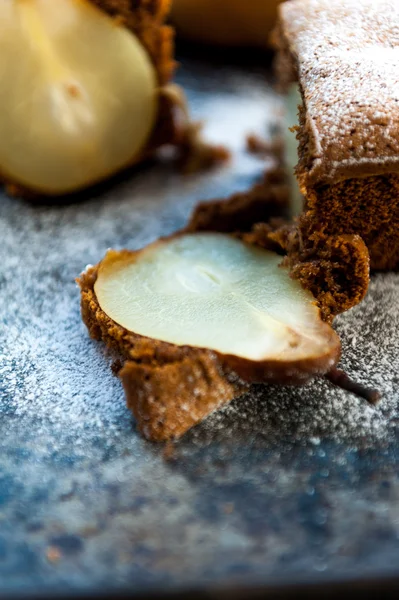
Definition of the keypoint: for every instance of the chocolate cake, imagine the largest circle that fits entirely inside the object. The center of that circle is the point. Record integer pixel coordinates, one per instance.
(345, 57)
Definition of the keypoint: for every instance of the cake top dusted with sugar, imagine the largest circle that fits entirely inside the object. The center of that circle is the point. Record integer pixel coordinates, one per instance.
(345, 54)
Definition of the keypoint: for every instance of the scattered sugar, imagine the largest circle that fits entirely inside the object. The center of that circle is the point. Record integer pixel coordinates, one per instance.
(52, 375)
(370, 336)
(51, 370)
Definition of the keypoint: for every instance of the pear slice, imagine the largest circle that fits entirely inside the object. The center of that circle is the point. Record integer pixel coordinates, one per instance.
(293, 101)
(78, 95)
(213, 291)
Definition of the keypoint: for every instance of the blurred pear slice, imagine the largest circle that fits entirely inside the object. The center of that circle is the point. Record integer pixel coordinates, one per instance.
(78, 95)
(213, 291)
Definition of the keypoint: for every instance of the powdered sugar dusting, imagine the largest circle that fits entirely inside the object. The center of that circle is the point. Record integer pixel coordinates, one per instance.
(370, 355)
(51, 370)
(86, 504)
(348, 62)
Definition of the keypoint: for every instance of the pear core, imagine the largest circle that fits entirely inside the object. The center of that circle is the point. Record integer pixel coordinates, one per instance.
(78, 95)
(213, 291)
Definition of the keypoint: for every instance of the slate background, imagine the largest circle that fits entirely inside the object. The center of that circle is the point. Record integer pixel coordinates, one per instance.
(255, 496)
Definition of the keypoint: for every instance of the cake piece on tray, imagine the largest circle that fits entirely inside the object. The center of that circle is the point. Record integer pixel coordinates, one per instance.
(344, 55)
(197, 317)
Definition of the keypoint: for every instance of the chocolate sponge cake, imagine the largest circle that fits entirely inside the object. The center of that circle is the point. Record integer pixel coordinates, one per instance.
(345, 57)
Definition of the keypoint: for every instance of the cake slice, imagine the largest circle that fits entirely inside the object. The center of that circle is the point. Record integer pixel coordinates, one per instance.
(344, 55)
(93, 93)
(198, 317)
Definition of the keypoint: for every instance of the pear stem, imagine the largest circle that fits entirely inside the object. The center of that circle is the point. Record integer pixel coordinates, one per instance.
(343, 381)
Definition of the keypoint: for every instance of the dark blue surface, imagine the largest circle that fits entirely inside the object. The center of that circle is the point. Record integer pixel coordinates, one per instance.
(284, 485)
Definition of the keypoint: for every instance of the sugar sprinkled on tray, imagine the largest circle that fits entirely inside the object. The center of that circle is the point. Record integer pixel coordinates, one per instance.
(52, 371)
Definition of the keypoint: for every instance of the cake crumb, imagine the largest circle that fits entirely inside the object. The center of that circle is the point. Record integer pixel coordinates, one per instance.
(53, 554)
(228, 508)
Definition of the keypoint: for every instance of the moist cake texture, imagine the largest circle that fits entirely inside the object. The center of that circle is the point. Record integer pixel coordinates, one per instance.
(170, 388)
(345, 56)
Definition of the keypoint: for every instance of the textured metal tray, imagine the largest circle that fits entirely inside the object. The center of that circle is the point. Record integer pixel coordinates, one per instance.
(283, 486)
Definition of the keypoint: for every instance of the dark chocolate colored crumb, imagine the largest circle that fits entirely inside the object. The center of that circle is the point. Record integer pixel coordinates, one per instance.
(265, 201)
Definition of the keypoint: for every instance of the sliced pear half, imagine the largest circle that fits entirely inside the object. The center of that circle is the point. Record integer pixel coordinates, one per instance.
(215, 292)
(78, 95)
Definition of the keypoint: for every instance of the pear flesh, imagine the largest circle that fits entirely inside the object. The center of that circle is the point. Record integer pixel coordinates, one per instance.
(213, 291)
(292, 103)
(78, 95)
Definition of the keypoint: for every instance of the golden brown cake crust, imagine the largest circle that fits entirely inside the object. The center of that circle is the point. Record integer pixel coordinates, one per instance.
(365, 206)
(335, 269)
(344, 56)
(266, 200)
(168, 400)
